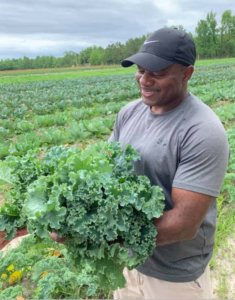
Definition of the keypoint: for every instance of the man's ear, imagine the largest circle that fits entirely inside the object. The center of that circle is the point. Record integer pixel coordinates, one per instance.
(188, 71)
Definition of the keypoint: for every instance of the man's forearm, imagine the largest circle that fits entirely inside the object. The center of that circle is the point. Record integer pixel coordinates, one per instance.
(184, 219)
(172, 228)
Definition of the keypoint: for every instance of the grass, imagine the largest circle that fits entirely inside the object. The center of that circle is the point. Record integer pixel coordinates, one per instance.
(223, 273)
(22, 76)
(222, 262)
(222, 290)
(225, 226)
(215, 61)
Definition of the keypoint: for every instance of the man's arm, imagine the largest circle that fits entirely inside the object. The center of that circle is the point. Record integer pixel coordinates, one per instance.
(184, 219)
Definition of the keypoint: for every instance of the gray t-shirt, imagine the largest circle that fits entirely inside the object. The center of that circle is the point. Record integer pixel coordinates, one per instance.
(185, 148)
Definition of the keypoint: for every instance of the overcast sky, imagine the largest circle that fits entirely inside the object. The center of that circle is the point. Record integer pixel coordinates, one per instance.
(52, 27)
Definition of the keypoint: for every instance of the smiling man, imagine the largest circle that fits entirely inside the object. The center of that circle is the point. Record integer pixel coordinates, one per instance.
(184, 149)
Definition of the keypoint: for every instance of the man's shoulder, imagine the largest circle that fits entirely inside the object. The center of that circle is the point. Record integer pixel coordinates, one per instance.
(134, 104)
(131, 108)
(198, 112)
(202, 124)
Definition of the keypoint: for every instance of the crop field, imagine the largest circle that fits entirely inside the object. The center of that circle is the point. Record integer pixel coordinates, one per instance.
(75, 108)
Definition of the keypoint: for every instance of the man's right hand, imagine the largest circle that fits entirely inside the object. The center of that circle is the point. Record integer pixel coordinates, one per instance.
(55, 237)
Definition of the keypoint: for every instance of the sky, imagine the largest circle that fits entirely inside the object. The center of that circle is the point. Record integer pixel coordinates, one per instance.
(52, 27)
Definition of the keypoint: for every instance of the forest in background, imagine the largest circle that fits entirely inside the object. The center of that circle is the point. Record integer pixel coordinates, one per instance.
(213, 40)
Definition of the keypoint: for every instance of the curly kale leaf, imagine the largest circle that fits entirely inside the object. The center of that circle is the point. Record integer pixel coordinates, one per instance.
(92, 198)
(21, 172)
(95, 200)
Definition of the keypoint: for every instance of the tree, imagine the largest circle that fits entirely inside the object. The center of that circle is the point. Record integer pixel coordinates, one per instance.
(227, 34)
(84, 56)
(97, 56)
(133, 45)
(114, 53)
(207, 38)
(70, 59)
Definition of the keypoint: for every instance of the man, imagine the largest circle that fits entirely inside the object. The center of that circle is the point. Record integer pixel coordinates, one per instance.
(184, 149)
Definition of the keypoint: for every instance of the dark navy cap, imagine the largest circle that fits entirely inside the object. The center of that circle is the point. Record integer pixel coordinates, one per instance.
(163, 48)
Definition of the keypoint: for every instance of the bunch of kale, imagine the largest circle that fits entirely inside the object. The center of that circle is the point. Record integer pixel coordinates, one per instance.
(93, 198)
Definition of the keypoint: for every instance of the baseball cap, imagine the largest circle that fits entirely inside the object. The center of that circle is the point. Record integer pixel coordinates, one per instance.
(163, 48)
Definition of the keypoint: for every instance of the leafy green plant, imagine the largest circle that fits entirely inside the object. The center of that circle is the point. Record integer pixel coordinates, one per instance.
(46, 270)
(19, 173)
(77, 132)
(93, 198)
(3, 132)
(24, 126)
(24, 143)
(54, 136)
(4, 150)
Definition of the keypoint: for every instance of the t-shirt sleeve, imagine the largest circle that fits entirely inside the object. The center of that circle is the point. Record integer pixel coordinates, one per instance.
(204, 153)
(114, 137)
(127, 112)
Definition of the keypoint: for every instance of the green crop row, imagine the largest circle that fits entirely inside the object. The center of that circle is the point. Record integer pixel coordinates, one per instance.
(40, 98)
(74, 132)
(33, 111)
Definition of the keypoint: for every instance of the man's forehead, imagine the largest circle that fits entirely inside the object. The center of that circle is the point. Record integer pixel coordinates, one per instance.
(162, 70)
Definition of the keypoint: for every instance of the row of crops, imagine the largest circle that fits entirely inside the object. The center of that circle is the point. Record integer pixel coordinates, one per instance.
(49, 113)
(53, 113)
(39, 117)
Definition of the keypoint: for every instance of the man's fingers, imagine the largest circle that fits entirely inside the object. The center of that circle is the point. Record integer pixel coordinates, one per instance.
(56, 237)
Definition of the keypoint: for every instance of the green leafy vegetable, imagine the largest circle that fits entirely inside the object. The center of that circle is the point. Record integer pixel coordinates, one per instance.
(93, 198)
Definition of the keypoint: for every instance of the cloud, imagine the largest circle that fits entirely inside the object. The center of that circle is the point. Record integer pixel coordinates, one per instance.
(170, 7)
(54, 26)
(31, 46)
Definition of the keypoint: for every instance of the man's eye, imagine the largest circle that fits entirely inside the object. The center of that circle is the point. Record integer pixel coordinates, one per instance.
(158, 75)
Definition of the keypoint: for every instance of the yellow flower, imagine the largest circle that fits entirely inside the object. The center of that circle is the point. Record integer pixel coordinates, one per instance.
(4, 276)
(44, 274)
(53, 252)
(57, 253)
(16, 276)
(10, 268)
(20, 298)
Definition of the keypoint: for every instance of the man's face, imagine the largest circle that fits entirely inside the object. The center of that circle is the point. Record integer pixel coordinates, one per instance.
(165, 89)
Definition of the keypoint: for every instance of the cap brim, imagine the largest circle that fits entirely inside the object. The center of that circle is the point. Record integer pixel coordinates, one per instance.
(147, 61)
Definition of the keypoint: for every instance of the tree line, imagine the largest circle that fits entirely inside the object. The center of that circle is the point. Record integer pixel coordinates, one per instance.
(212, 40)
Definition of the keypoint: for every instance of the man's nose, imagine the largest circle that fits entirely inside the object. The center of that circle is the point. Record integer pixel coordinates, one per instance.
(146, 79)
